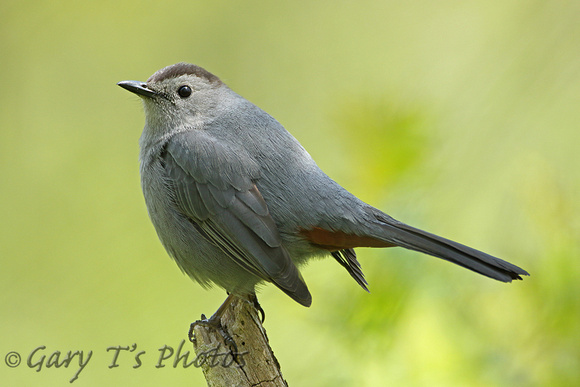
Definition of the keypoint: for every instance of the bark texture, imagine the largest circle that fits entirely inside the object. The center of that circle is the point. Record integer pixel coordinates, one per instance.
(254, 364)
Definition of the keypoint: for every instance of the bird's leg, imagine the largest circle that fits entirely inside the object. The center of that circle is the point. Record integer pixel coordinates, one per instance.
(215, 323)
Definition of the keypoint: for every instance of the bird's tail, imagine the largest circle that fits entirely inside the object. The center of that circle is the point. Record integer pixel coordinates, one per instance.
(400, 234)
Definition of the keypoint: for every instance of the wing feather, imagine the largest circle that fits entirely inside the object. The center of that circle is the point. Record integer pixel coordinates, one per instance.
(215, 188)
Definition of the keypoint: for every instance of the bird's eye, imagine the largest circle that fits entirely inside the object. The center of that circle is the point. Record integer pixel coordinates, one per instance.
(184, 91)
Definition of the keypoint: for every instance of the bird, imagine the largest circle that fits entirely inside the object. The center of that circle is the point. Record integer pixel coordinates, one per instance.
(237, 201)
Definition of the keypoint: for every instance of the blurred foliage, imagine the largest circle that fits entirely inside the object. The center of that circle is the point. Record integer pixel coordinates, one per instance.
(385, 141)
(457, 117)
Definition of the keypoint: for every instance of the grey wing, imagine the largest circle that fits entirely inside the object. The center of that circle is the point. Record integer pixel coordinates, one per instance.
(215, 190)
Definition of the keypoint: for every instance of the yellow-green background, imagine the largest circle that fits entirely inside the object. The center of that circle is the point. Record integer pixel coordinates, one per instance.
(462, 118)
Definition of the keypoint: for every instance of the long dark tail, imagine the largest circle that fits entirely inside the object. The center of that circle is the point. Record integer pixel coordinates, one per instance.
(403, 235)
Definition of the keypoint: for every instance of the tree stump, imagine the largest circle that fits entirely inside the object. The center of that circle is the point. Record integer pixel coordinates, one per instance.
(254, 364)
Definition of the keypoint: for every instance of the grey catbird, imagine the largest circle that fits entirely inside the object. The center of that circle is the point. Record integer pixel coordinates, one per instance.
(236, 200)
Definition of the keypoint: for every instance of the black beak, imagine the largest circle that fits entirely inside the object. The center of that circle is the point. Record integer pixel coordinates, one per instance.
(137, 87)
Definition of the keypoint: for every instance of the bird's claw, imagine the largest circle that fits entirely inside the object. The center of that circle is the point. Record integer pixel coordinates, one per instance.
(217, 326)
(254, 300)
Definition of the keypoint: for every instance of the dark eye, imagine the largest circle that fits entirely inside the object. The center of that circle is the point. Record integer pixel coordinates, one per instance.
(184, 91)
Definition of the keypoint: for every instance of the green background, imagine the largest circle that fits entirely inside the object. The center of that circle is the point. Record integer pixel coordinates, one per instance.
(461, 118)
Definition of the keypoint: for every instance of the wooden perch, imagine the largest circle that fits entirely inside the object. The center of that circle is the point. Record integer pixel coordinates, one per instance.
(255, 363)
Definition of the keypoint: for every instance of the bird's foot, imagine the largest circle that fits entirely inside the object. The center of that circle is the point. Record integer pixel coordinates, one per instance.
(253, 299)
(215, 324)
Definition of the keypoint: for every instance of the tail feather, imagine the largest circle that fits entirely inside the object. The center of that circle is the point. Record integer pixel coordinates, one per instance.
(414, 239)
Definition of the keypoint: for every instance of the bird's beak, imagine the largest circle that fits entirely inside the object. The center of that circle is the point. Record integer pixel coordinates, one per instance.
(138, 88)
